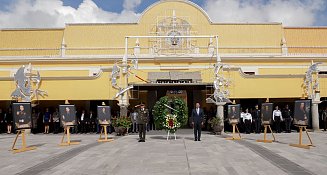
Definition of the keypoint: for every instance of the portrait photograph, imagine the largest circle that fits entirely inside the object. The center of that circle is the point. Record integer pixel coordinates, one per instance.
(234, 113)
(104, 115)
(67, 115)
(22, 115)
(302, 112)
(266, 113)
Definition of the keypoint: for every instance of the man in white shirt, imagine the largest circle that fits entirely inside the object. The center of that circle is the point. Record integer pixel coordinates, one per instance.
(247, 119)
(277, 118)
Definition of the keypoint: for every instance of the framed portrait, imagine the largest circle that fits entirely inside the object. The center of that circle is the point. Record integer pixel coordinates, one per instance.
(302, 112)
(266, 113)
(22, 115)
(234, 113)
(104, 115)
(67, 115)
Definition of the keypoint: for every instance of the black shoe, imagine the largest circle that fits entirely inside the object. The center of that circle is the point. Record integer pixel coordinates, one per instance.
(199, 140)
(140, 140)
(195, 139)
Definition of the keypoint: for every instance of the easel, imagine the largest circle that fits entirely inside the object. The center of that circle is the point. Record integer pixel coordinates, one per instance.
(68, 143)
(235, 138)
(104, 131)
(24, 147)
(169, 133)
(300, 145)
(265, 135)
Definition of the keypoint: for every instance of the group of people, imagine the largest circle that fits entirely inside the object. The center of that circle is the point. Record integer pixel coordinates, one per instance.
(252, 121)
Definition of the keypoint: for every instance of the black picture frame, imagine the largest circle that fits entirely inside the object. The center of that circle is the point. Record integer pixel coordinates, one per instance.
(234, 113)
(302, 112)
(67, 115)
(104, 115)
(22, 115)
(266, 113)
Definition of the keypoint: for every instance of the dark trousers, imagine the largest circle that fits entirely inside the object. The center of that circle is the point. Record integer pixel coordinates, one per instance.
(247, 126)
(277, 124)
(142, 130)
(325, 124)
(288, 124)
(82, 128)
(197, 131)
(56, 126)
(257, 126)
(134, 127)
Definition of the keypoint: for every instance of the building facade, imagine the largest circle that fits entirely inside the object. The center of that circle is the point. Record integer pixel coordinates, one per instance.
(171, 50)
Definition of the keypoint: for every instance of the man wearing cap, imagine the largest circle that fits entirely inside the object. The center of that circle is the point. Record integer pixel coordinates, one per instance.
(142, 120)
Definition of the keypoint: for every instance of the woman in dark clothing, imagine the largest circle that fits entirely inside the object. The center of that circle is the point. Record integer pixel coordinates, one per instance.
(9, 120)
(46, 120)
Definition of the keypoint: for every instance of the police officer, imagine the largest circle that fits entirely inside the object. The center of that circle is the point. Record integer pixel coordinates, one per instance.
(142, 120)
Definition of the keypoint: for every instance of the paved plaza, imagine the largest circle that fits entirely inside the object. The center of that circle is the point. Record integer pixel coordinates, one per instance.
(213, 155)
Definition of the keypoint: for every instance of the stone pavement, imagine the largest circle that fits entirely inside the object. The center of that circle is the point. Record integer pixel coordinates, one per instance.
(213, 155)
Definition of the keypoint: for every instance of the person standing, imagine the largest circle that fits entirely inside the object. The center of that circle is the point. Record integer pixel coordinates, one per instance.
(2, 121)
(92, 122)
(197, 121)
(9, 120)
(133, 117)
(34, 121)
(247, 119)
(46, 120)
(142, 120)
(56, 121)
(257, 119)
(324, 118)
(287, 115)
(277, 118)
(82, 122)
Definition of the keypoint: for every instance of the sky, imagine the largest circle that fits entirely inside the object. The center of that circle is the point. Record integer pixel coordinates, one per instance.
(56, 13)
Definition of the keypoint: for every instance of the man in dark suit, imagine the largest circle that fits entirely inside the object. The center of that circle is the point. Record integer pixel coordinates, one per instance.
(197, 121)
(256, 116)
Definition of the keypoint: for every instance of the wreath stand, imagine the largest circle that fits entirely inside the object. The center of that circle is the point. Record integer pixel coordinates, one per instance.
(234, 133)
(68, 142)
(265, 135)
(169, 133)
(300, 145)
(24, 147)
(105, 133)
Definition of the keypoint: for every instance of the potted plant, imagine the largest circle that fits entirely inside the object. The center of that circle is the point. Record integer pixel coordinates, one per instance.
(215, 124)
(121, 125)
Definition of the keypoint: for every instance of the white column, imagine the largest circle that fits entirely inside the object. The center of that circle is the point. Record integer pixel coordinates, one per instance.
(220, 112)
(315, 115)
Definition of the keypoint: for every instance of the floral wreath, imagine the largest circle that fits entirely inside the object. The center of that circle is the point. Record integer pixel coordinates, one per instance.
(171, 124)
(160, 111)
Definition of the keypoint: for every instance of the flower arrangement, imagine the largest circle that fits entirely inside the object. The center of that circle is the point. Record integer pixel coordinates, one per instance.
(171, 123)
(160, 111)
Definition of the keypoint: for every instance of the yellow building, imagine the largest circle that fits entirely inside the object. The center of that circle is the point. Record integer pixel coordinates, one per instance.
(175, 45)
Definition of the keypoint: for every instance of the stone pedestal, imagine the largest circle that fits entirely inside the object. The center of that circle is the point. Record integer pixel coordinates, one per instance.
(220, 112)
(315, 115)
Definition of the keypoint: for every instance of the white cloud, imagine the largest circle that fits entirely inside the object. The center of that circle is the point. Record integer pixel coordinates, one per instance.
(52, 13)
(288, 12)
(131, 4)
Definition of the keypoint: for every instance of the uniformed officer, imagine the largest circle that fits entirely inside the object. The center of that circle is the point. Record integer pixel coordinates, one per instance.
(142, 120)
